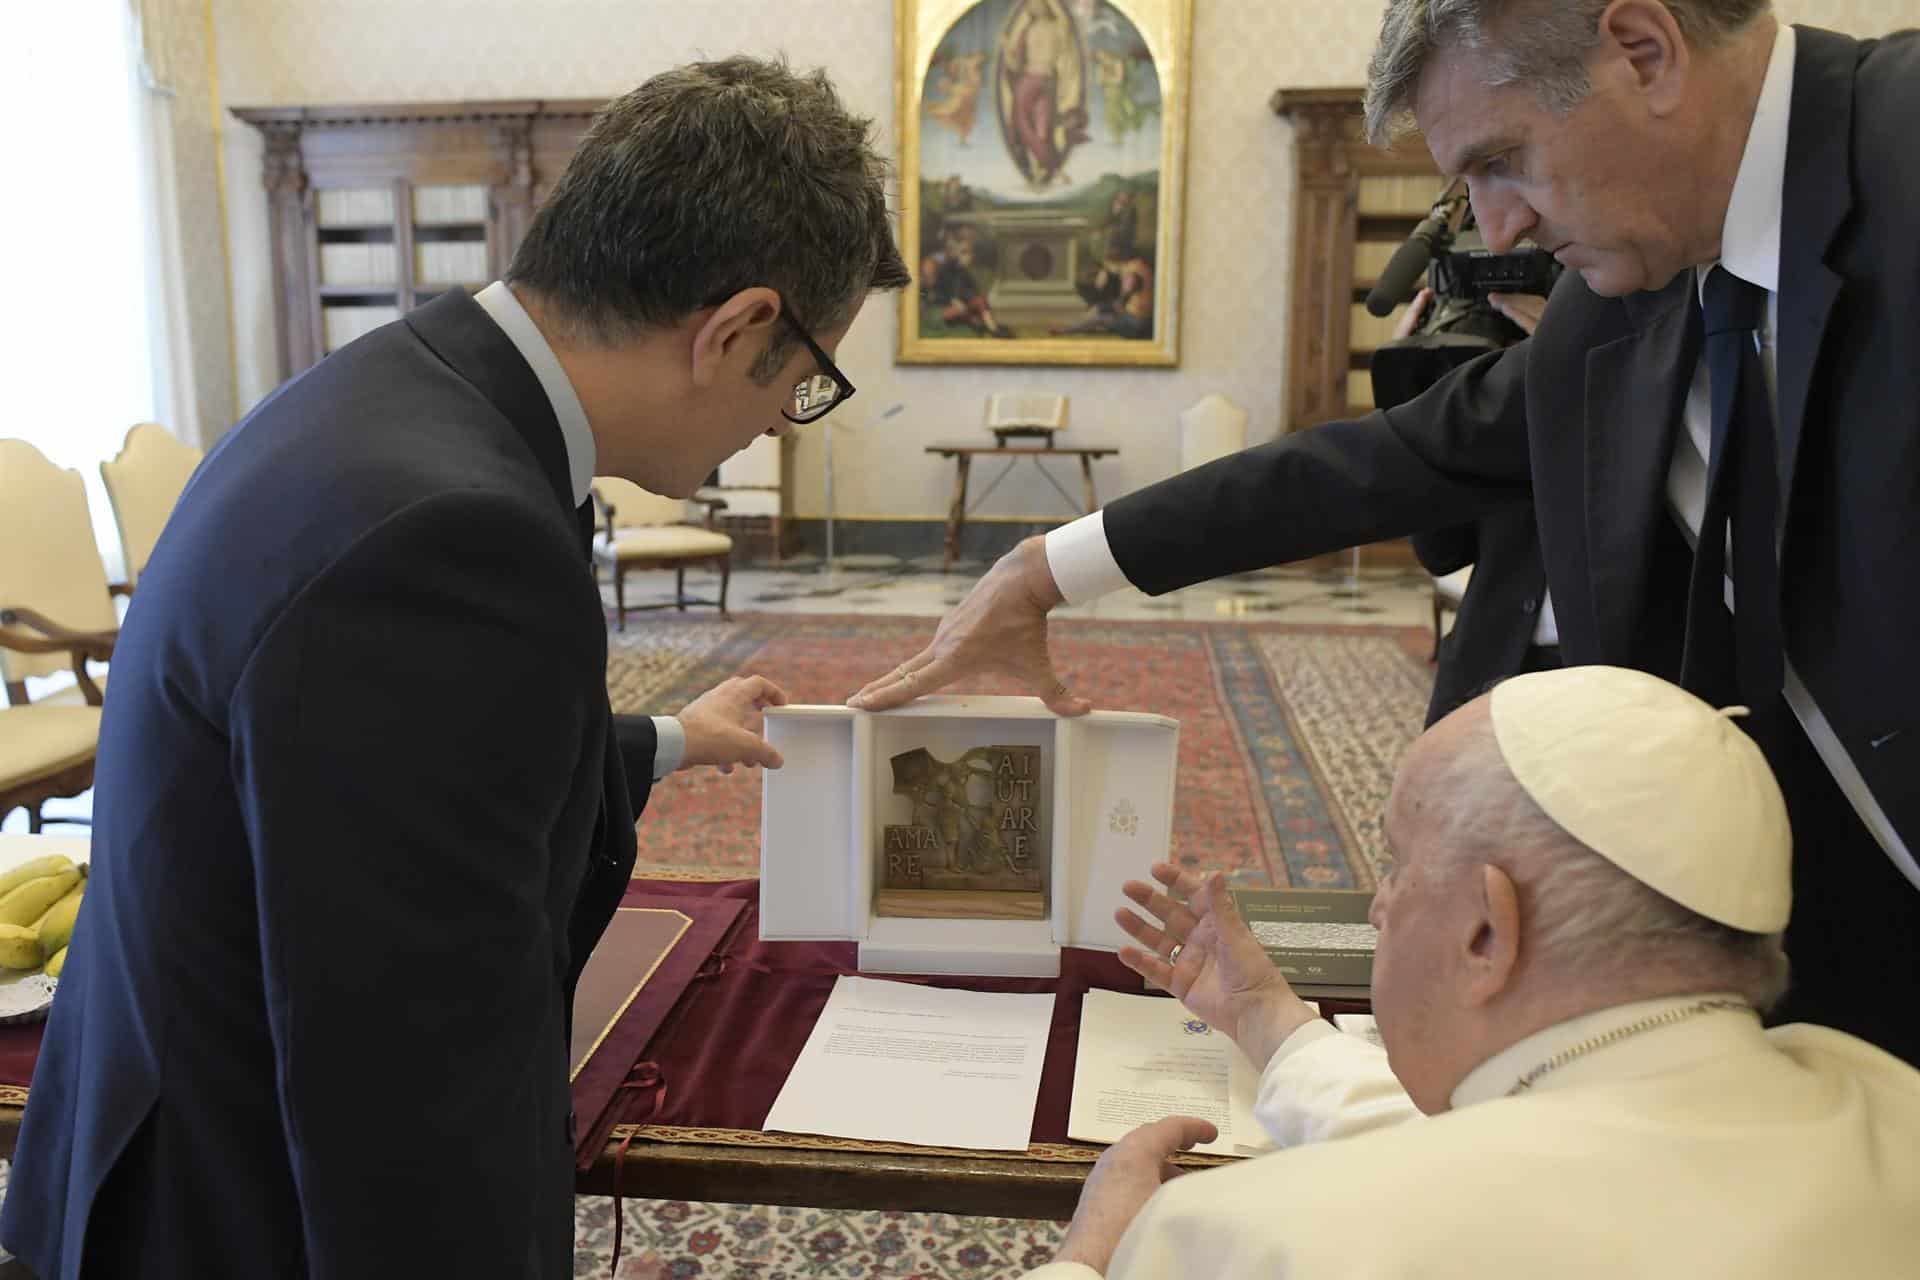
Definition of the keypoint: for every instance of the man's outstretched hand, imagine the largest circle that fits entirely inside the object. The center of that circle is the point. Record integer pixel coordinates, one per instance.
(1000, 626)
(723, 724)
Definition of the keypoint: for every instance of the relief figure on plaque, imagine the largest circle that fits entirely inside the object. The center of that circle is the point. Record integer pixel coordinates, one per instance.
(975, 828)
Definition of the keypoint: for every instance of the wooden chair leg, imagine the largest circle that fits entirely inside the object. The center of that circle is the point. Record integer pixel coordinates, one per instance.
(1435, 655)
(726, 572)
(620, 595)
(34, 819)
(680, 587)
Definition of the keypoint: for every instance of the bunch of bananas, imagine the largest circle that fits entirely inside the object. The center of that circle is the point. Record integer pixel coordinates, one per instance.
(39, 901)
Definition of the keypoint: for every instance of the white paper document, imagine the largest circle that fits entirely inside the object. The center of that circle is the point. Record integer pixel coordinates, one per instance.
(896, 1062)
(1144, 1058)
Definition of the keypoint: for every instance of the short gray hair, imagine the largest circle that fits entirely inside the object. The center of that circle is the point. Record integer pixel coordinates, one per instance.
(1581, 915)
(1542, 43)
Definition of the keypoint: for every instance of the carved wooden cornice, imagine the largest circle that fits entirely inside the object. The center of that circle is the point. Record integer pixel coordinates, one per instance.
(514, 143)
(282, 172)
(375, 113)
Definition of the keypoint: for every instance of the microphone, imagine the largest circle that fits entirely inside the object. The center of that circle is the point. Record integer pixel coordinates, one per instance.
(1396, 283)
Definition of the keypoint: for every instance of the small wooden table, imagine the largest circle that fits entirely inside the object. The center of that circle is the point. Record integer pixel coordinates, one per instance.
(964, 454)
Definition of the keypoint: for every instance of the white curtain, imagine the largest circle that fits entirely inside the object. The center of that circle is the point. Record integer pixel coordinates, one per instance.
(92, 320)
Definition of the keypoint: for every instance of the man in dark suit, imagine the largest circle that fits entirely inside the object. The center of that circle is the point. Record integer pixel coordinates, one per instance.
(363, 809)
(1711, 179)
(1498, 625)
(1503, 625)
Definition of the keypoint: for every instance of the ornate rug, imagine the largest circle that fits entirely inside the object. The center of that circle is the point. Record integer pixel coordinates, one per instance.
(1289, 733)
(675, 1240)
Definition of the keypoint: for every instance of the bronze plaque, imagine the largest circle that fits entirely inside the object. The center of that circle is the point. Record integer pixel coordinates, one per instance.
(976, 840)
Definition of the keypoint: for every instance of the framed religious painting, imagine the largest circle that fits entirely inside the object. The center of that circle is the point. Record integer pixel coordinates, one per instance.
(1042, 164)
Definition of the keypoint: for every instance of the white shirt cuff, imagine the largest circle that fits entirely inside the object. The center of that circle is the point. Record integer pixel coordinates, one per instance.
(1081, 562)
(1302, 1036)
(670, 746)
(1324, 1083)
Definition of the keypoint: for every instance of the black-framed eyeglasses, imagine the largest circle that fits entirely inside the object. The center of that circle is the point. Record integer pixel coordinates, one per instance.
(815, 397)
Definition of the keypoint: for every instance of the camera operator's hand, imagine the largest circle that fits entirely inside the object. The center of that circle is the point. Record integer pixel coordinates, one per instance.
(1524, 309)
(1415, 312)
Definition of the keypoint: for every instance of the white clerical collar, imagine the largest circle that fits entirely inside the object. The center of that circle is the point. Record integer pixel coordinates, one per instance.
(498, 301)
(1658, 1048)
(1750, 239)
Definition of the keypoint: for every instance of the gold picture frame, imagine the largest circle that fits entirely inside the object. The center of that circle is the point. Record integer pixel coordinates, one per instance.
(1043, 179)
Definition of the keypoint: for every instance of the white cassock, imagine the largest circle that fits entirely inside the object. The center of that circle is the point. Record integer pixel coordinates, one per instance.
(1707, 1147)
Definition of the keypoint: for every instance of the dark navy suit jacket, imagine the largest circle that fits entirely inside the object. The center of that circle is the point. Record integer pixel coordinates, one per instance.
(362, 810)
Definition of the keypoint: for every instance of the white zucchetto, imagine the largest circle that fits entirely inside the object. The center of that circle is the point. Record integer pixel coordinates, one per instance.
(1658, 783)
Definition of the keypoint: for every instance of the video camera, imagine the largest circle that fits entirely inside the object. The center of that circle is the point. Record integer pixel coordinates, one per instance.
(1460, 324)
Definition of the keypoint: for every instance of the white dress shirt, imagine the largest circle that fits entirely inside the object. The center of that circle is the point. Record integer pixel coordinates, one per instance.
(1084, 568)
(497, 301)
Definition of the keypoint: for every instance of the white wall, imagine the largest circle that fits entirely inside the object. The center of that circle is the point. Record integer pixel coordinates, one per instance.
(1239, 174)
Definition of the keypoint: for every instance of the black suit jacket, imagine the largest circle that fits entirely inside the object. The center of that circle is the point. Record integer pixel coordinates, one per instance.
(360, 816)
(1581, 420)
(1494, 625)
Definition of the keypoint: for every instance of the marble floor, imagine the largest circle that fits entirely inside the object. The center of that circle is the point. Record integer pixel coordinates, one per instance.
(888, 585)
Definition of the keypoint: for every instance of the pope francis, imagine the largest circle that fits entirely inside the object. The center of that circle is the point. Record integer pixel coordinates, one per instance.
(1577, 937)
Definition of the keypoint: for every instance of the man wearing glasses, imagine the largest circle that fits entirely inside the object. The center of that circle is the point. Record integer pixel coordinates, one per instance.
(363, 809)
(816, 396)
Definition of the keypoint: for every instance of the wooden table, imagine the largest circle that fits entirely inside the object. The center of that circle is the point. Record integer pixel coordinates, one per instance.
(964, 454)
(894, 1181)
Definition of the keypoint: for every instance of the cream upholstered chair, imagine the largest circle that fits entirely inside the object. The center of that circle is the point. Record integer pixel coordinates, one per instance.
(641, 530)
(56, 613)
(143, 481)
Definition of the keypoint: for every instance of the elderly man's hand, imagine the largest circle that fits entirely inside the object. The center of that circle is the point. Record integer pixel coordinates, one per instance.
(722, 724)
(1120, 1185)
(1000, 626)
(1218, 969)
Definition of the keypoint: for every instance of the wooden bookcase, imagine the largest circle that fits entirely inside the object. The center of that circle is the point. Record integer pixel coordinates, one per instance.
(374, 209)
(1353, 205)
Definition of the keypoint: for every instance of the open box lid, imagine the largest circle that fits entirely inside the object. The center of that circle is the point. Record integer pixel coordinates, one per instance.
(1112, 787)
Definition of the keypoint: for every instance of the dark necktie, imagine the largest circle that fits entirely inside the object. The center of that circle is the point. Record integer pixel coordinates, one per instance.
(1737, 658)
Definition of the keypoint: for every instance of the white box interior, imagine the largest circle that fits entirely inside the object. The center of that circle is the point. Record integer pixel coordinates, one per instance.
(1108, 776)
(809, 886)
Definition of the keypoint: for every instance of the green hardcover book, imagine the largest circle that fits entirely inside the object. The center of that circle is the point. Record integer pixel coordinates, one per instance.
(1318, 938)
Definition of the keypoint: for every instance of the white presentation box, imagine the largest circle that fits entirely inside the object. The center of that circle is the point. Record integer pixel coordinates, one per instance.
(1110, 777)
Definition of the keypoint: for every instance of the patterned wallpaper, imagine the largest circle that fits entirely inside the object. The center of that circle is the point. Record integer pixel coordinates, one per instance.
(1239, 174)
(181, 57)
